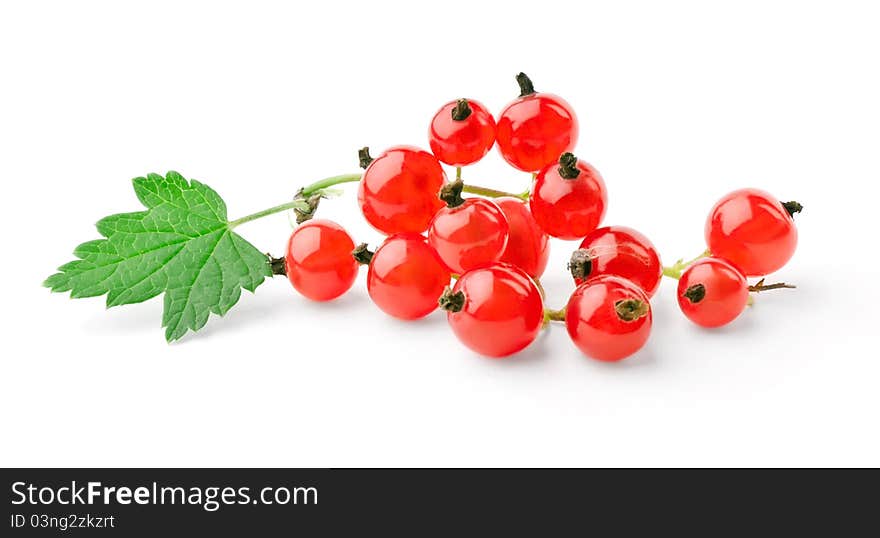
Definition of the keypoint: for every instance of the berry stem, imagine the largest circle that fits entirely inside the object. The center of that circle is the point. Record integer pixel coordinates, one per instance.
(540, 287)
(760, 286)
(553, 315)
(492, 193)
(329, 182)
(301, 201)
(675, 270)
(457, 172)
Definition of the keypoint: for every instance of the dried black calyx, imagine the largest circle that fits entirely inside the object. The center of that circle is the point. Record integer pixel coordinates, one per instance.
(525, 85)
(581, 264)
(462, 110)
(631, 309)
(278, 265)
(451, 193)
(792, 207)
(695, 293)
(451, 301)
(362, 254)
(568, 166)
(312, 201)
(364, 158)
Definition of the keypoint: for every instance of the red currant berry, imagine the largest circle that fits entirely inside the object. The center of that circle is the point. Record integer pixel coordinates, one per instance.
(608, 318)
(753, 230)
(528, 247)
(406, 277)
(495, 311)
(462, 132)
(536, 128)
(712, 292)
(468, 233)
(568, 200)
(398, 192)
(618, 251)
(318, 261)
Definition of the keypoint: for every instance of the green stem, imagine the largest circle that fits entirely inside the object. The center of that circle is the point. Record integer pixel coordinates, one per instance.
(318, 186)
(553, 315)
(457, 172)
(540, 287)
(266, 212)
(329, 182)
(675, 270)
(492, 193)
(305, 193)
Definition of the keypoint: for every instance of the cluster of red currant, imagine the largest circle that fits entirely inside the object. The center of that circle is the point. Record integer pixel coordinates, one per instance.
(496, 249)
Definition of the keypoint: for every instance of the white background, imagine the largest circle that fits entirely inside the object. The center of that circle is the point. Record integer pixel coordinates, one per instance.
(679, 103)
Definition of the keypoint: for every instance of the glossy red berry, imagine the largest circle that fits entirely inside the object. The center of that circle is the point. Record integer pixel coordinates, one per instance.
(406, 277)
(753, 230)
(712, 292)
(568, 199)
(495, 311)
(398, 192)
(528, 247)
(536, 128)
(468, 233)
(462, 132)
(608, 318)
(618, 251)
(319, 262)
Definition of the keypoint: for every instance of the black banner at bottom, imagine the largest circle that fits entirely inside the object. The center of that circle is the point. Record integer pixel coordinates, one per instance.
(413, 502)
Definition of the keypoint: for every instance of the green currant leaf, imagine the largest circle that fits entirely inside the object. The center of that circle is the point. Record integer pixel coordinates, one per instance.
(181, 245)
